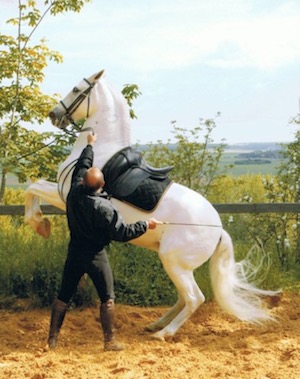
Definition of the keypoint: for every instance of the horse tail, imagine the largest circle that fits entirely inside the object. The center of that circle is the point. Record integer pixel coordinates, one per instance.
(231, 286)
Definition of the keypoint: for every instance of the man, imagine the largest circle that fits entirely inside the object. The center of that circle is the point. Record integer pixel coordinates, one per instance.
(94, 223)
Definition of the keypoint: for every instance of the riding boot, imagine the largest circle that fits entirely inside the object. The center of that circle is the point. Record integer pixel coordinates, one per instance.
(107, 323)
(58, 313)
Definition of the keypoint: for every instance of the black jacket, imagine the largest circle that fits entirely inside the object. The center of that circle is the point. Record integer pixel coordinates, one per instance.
(93, 221)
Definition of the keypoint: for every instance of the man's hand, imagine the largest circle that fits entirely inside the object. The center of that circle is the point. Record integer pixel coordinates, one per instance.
(91, 138)
(152, 223)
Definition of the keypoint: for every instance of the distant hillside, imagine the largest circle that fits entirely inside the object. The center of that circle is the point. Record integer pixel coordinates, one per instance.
(237, 147)
(254, 146)
(247, 158)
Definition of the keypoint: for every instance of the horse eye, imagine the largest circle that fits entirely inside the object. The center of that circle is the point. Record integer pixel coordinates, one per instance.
(75, 90)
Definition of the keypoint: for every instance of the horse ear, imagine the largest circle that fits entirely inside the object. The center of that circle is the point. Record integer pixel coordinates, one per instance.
(98, 76)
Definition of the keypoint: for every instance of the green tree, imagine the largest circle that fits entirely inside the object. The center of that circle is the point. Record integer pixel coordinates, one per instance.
(131, 92)
(24, 152)
(287, 189)
(284, 187)
(195, 158)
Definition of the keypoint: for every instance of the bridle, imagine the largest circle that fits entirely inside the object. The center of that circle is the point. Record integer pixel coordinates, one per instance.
(74, 105)
(68, 115)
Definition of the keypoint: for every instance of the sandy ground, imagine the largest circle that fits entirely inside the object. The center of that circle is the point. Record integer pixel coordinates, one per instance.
(210, 345)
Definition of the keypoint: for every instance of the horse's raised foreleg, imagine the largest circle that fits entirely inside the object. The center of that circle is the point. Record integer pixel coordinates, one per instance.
(35, 193)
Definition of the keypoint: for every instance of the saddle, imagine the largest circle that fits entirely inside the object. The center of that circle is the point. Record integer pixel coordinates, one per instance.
(129, 177)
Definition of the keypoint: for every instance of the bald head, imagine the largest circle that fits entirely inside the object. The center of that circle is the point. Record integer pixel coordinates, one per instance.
(94, 179)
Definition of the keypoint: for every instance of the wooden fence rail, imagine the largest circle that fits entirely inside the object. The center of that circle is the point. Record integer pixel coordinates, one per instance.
(15, 210)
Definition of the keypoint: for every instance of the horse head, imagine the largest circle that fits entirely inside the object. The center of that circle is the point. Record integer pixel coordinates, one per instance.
(77, 104)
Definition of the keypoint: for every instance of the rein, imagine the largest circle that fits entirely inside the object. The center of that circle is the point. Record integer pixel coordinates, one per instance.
(87, 129)
(69, 167)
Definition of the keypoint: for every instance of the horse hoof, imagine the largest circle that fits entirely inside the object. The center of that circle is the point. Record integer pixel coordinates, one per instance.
(152, 327)
(149, 328)
(44, 228)
(158, 337)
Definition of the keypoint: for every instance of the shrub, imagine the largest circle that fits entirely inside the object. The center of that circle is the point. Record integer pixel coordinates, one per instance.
(31, 267)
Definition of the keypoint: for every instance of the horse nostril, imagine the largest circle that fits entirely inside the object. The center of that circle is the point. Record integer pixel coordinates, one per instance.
(51, 115)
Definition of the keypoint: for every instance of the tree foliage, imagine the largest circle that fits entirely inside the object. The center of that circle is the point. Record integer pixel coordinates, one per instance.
(131, 92)
(287, 189)
(194, 156)
(24, 152)
(284, 187)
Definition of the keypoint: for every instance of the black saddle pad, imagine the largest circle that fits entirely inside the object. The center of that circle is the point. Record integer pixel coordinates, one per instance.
(129, 178)
(147, 194)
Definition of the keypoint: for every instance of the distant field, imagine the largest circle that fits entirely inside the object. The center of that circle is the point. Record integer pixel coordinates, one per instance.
(264, 169)
(229, 157)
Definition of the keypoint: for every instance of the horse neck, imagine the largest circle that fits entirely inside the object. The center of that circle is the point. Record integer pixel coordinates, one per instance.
(109, 140)
(110, 120)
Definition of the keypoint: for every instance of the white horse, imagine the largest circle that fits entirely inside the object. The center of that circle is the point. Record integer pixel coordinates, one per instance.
(192, 232)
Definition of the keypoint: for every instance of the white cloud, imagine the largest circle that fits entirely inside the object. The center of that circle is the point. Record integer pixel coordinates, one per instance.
(177, 34)
(206, 42)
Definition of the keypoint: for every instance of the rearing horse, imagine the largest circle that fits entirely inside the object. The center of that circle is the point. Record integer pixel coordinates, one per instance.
(201, 236)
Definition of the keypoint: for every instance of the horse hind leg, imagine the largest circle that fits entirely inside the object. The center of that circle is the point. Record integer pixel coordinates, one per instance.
(167, 317)
(192, 296)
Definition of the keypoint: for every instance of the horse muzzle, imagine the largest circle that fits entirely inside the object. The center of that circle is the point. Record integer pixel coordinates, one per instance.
(59, 119)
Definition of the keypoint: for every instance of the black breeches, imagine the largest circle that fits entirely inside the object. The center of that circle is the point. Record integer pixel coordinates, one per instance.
(98, 269)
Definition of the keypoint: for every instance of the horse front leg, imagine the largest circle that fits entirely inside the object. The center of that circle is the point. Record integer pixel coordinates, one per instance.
(35, 193)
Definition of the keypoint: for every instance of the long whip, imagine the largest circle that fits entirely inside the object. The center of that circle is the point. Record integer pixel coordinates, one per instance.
(188, 224)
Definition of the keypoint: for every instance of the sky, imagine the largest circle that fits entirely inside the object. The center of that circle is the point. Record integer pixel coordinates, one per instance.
(191, 60)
